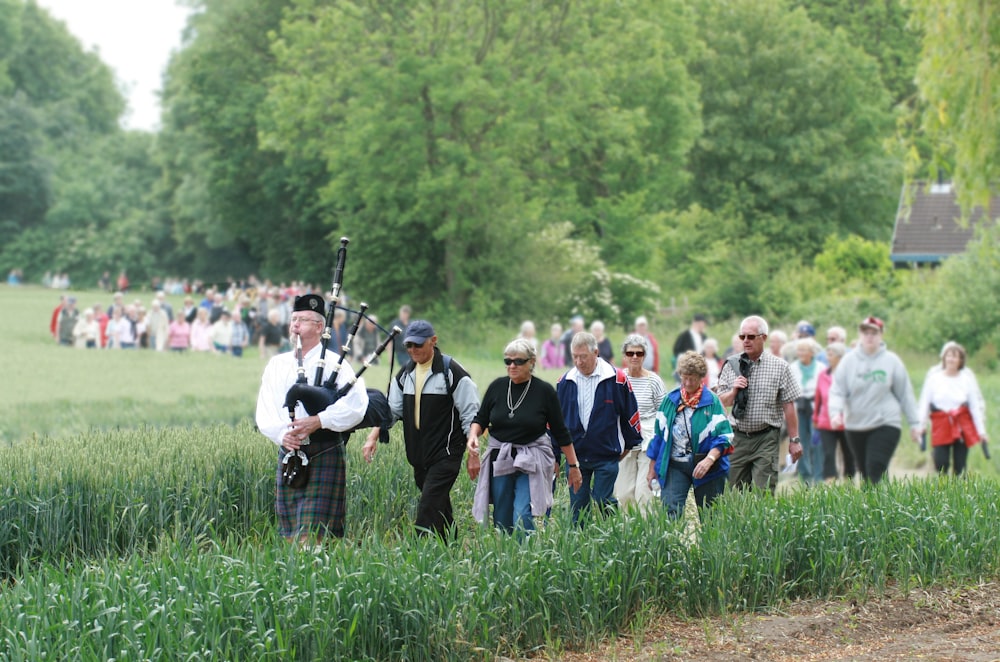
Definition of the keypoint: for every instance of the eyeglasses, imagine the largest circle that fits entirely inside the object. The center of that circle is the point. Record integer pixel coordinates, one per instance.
(517, 362)
(750, 336)
(304, 320)
(413, 345)
(631, 354)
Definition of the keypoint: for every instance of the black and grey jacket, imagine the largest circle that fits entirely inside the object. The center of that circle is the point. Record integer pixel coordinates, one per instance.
(448, 403)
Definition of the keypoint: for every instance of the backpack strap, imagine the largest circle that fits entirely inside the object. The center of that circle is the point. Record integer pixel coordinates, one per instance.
(447, 375)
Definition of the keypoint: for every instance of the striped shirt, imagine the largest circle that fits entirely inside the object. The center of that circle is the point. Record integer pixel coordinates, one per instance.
(649, 393)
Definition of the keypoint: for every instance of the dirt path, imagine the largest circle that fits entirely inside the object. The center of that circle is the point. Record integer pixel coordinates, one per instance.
(940, 624)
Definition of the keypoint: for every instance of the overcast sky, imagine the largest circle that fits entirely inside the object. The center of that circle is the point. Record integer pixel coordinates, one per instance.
(135, 38)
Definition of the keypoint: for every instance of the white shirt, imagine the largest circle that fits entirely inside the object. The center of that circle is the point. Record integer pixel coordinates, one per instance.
(950, 392)
(279, 375)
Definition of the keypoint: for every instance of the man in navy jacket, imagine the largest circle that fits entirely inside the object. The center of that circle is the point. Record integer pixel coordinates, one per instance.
(602, 416)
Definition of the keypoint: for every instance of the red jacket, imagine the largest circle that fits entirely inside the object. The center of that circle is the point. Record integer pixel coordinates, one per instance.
(949, 426)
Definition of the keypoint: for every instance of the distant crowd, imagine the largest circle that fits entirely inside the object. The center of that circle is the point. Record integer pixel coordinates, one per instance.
(231, 322)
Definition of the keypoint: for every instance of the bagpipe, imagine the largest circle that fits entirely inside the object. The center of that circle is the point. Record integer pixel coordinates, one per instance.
(319, 395)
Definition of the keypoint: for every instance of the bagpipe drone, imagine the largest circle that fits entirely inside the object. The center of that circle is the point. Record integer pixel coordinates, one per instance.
(319, 395)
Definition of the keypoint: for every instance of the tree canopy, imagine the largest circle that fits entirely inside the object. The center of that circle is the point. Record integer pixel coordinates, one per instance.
(452, 132)
(959, 63)
(507, 158)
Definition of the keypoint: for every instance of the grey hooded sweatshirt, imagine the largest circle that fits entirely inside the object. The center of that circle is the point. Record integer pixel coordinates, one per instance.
(871, 390)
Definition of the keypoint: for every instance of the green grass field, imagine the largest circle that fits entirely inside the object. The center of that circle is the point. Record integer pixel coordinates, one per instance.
(137, 510)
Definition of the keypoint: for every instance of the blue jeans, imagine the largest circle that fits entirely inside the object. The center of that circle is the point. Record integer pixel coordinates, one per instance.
(511, 502)
(680, 479)
(603, 476)
(810, 467)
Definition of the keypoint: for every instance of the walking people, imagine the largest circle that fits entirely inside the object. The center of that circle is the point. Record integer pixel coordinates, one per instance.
(832, 438)
(692, 440)
(602, 416)
(871, 392)
(632, 485)
(520, 413)
(437, 401)
(951, 400)
(691, 339)
(806, 369)
(762, 392)
(318, 508)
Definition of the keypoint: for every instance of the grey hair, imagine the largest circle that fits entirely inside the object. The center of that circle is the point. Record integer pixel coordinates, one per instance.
(838, 331)
(814, 347)
(836, 349)
(520, 346)
(584, 339)
(692, 363)
(635, 340)
(759, 321)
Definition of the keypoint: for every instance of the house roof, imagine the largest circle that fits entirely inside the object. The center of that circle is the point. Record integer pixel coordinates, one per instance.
(933, 229)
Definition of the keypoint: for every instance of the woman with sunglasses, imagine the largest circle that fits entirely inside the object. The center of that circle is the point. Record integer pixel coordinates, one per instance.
(632, 486)
(519, 412)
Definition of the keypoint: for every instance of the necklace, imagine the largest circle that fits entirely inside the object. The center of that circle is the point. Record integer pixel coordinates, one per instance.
(513, 407)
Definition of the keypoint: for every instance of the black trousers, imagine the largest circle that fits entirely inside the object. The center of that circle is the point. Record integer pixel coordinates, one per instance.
(832, 439)
(872, 450)
(434, 511)
(943, 454)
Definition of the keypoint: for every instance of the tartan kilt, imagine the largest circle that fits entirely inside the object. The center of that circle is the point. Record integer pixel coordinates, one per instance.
(320, 507)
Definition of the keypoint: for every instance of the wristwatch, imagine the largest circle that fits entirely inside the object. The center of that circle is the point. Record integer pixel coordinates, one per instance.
(573, 466)
(795, 440)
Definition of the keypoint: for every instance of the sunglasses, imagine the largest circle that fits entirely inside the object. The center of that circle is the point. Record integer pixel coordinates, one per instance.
(517, 362)
(750, 336)
(413, 345)
(631, 354)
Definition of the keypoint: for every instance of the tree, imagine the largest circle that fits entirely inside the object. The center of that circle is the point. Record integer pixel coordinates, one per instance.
(451, 131)
(59, 106)
(795, 118)
(236, 206)
(880, 28)
(959, 63)
(76, 91)
(24, 174)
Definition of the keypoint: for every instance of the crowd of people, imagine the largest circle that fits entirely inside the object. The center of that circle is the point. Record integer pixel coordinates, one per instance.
(227, 321)
(628, 439)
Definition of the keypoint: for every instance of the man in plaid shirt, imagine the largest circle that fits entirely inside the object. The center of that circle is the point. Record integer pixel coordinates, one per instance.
(761, 390)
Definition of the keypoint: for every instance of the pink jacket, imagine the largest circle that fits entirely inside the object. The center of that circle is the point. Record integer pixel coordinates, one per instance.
(821, 406)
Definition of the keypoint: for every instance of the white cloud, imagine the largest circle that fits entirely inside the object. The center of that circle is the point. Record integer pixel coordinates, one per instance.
(135, 38)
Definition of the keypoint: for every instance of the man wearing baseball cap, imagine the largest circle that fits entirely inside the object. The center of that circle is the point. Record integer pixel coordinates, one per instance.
(437, 401)
(871, 391)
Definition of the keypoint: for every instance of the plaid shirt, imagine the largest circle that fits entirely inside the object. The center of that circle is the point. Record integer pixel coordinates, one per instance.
(770, 387)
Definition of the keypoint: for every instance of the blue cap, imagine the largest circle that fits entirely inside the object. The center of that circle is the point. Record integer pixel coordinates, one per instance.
(419, 331)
